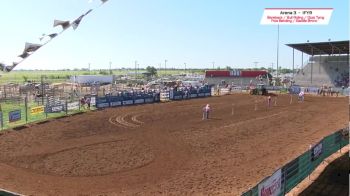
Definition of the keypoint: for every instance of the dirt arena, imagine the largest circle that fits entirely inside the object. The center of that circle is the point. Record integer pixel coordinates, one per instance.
(166, 149)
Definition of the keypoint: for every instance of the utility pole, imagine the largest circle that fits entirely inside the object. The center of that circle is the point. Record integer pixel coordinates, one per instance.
(272, 67)
(213, 64)
(135, 69)
(110, 67)
(165, 65)
(89, 69)
(42, 89)
(185, 68)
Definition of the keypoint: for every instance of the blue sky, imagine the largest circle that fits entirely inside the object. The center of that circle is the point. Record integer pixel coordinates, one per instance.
(195, 32)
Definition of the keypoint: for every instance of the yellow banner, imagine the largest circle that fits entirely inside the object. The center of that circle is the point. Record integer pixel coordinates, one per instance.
(37, 110)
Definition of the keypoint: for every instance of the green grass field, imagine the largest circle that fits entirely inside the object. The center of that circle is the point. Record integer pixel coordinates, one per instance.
(18, 76)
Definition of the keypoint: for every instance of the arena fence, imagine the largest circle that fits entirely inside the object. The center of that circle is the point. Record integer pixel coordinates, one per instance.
(24, 111)
(288, 176)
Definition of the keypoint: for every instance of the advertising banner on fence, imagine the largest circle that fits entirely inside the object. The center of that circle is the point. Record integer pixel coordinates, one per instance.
(117, 103)
(138, 101)
(128, 102)
(272, 186)
(102, 105)
(15, 115)
(149, 100)
(316, 151)
(73, 106)
(37, 110)
(291, 169)
(54, 109)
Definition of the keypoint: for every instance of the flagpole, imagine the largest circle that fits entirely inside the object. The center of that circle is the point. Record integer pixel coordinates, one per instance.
(278, 45)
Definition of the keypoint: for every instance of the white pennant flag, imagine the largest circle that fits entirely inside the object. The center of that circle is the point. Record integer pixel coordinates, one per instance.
(52, 35)
(29, 47)
(63, 24)
(24, 55)
(77, 21)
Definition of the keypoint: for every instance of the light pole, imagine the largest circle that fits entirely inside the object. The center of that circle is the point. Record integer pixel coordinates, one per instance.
(213, 64)
(165, 65)
(278, 46)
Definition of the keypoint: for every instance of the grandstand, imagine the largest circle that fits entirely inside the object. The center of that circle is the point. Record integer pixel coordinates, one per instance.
(328, 64)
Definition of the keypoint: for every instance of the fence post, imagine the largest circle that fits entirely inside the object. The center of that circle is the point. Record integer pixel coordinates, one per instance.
(47, 102)
(26, 107)
(66, 107)
(1, 119)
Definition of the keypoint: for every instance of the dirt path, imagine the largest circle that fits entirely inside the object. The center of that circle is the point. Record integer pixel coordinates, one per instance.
(165, 148)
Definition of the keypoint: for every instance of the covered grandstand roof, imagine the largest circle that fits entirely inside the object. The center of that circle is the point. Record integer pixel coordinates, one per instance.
(322, 48)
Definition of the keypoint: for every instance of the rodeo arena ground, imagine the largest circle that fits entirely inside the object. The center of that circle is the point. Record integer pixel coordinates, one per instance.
(161, 142)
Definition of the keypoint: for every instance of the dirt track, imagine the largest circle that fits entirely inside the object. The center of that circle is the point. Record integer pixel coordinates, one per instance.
(165, 148)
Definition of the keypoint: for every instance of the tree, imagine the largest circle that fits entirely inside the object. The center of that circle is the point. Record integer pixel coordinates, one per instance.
(25, 78)
(151, 70)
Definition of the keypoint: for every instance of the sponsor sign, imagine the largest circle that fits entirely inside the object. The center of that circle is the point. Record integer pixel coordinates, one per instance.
(149, 100)
(338, 137)
(291, 169)
(54, 108)
(116, 103)
(201, 95)
(207, 94)
(102, 105)
(194, 95)
(272, 186)
(137, 101)
(316, 151)
(296, 16)
(37, 110)
(178, 97)
(73, 106)
(128, 102)
(15, 115)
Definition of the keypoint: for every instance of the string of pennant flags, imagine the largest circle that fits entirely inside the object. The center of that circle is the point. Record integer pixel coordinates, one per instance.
(31, 48)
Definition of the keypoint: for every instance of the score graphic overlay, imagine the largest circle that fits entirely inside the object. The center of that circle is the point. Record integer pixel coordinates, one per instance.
(296, 16)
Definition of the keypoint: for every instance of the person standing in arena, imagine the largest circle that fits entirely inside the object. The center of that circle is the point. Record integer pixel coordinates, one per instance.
(269, 101)
(206, 111)
(88, 102)
(301, 96)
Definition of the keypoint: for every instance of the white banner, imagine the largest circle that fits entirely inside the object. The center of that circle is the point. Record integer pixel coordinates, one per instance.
(93, 101)
(272, 186)
(73, 105)
(296, 16)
